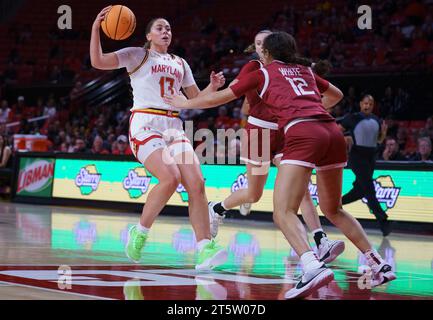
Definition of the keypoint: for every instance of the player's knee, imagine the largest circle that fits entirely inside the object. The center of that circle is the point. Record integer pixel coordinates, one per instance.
(197, 188)
(171, 181)
(330, 211)
(254, 197)
(276, 216)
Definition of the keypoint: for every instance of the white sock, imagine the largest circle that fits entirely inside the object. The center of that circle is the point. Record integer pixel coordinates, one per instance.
(202, 243)
(223, 205)
(142, 229)
(310, 261)
(373, 257)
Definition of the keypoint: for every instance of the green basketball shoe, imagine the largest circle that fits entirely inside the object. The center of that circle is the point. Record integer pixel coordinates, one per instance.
(211, 256)
(136, 241)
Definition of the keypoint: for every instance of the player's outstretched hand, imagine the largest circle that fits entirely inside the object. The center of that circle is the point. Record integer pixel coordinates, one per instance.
(217, 80)
(101, 16)
(178, 101)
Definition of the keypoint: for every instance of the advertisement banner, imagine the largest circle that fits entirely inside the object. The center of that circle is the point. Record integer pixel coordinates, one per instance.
(35, 177)
(404, 195)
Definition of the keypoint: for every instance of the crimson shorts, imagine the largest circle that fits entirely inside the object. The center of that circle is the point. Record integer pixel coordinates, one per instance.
(315, 144)
(259, 145)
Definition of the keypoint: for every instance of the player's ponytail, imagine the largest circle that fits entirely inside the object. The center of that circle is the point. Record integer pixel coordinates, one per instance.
(321, 67)
(282, 46)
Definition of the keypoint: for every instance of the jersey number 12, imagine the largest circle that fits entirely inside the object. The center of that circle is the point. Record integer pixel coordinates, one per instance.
(298, 85)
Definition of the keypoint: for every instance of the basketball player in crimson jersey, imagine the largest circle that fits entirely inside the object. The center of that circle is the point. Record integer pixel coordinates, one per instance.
(312, 140)
(156, 133)
(262, 124)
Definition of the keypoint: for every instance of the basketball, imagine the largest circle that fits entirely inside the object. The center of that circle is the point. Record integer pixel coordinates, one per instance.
(119, 23)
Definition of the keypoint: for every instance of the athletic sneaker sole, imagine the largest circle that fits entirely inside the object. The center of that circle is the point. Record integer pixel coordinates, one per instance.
(215, 261)
(322, 279)
(336, 249)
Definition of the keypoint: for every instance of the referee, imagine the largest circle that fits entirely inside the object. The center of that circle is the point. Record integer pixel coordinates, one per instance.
(363, 131)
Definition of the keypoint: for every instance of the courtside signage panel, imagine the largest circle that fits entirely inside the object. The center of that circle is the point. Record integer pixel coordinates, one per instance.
(404, 195)
(35, 177)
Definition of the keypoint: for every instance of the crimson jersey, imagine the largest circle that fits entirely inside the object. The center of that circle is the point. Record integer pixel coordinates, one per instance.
(258, 108)
(290, 91)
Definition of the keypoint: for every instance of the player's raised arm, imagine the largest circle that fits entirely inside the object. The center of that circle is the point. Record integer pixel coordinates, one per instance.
(98, 59)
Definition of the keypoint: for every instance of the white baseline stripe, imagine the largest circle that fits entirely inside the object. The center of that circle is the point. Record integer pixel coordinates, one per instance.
(57, 291)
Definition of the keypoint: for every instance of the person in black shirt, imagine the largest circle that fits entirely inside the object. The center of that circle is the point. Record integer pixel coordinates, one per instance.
(391, 151)
(364, 130)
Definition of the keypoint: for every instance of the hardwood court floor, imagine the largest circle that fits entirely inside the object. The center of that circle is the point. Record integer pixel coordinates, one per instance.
(88, 247)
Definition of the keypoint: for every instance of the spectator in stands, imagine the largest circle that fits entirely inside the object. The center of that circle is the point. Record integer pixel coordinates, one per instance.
(424, 152)
(80, 146)
(75, 90)
(402, 138)
(122, 146)
(236, 118)
(222, 121)
(5, 153)
(18, 109)
(50, 109)
(64, 147)
(5, 164)
(391, 151)
(4, 112)
(98, 148)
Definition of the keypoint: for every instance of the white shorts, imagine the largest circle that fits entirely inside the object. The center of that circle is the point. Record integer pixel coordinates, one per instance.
(149, 132)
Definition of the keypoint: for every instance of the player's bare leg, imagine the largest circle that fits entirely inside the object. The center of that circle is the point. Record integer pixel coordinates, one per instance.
(286, 204)
(329, 183)
(257, 176)
(168, 176)
(210, 254)
(327, 250)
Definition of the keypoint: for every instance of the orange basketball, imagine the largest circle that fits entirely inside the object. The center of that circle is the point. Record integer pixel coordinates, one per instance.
(119, 23)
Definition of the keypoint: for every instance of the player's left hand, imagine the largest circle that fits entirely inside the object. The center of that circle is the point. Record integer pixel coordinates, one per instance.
(178, 101)
(217, 80)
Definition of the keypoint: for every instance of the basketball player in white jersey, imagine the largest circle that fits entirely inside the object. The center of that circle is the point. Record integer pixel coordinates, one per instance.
(156, 133)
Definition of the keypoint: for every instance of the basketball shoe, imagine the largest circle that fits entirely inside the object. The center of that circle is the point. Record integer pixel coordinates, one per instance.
(215, 219)
(329, 250)
(211, 256)
(310, 282)
(135, 244)
(381, 271)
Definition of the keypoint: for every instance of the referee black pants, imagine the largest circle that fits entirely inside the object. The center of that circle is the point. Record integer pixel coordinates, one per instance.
(362, 162)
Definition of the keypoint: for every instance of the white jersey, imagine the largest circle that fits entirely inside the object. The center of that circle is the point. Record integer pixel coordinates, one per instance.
(154, 75)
